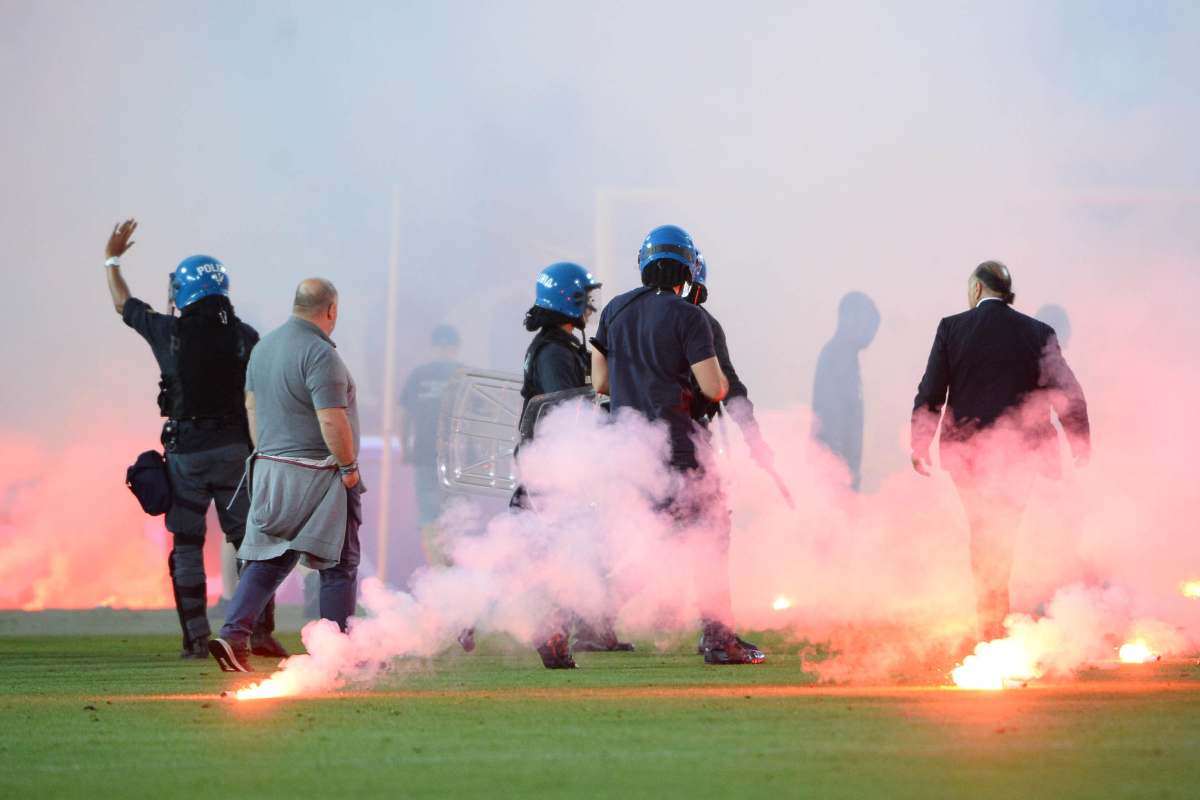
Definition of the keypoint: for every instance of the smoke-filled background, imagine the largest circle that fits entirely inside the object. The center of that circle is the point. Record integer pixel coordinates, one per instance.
(811, 150)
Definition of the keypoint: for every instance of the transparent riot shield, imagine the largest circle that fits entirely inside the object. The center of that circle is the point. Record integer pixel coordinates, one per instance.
(542, 403)
(478, 432)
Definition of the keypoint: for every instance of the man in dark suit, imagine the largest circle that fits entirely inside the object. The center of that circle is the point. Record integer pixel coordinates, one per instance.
(999, 373)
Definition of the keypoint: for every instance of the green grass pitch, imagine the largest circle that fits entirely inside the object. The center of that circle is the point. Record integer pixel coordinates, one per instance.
(121, 716)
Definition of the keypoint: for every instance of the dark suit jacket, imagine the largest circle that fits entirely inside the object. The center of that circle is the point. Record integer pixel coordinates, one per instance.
(994, 365)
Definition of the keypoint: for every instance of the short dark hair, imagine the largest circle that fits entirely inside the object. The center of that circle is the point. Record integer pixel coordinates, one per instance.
(665, 273)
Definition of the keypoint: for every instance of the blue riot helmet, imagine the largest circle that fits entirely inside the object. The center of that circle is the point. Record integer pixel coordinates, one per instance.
(567, 289)
(667, 257)
(198, 277)
(699, 291)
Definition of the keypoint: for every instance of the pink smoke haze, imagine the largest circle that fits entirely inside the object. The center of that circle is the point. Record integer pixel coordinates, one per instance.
(885, 574)
(810, 149)
(71, 535)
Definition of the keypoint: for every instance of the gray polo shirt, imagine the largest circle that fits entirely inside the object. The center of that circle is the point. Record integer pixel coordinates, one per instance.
(294, 371)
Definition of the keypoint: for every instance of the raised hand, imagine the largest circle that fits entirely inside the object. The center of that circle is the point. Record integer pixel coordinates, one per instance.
(119, 241)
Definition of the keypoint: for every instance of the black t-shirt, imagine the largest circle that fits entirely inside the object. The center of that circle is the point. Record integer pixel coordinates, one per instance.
(158, 330)
(741, 411)
(736, 387)
(651, 338)
(422, 399)
(161, 332)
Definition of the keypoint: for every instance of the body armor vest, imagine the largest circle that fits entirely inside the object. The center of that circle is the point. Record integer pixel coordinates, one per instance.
(210, 369)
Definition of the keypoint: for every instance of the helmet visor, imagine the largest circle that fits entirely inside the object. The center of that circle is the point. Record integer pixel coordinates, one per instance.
(592, 303)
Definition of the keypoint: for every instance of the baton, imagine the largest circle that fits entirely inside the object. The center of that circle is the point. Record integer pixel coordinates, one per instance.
(770, 470)
(783, 490)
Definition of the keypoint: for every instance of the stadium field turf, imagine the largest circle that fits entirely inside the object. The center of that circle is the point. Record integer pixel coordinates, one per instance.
(121, 716)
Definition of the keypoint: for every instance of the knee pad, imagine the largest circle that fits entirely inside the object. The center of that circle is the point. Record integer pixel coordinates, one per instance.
(187, 556)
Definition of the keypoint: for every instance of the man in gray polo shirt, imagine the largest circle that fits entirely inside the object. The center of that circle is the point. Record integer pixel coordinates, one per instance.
(304, 482)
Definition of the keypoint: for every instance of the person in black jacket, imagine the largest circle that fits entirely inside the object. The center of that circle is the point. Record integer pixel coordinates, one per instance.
(202, 357)
(556, 361)
(737, 402)
(998, 373)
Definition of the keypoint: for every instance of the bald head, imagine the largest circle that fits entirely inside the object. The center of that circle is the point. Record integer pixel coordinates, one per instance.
(316, 300)
(990, 279)
(314, 296)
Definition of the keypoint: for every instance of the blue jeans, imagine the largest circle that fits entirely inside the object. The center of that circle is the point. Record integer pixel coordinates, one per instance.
(260, 579)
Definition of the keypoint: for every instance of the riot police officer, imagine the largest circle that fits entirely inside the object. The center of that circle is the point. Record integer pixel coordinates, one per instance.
(202, 355)
(737, 402)
(556, 362)
(564, 300)
(650, 345)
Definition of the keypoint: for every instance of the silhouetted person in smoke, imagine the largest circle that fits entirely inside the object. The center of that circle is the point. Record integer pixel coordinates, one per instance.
(420, 405)
(202, 356)
(837, 385)
(649, 346)
(1056, 317)
(998, 373)
(1066, 499)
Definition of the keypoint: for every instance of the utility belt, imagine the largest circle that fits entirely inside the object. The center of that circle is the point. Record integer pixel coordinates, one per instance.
(202, 433)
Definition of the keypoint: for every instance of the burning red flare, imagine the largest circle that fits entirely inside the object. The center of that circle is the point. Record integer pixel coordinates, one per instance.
(278, 685)
(995, 665)
(1136, 652)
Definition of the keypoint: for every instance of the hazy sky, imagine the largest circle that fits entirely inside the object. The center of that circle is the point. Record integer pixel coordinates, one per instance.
(811, 149)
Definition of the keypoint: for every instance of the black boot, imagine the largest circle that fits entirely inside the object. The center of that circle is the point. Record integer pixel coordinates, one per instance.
(556, 653)
(185, 564)
(590, 640)
(196, 649)
(722, 646)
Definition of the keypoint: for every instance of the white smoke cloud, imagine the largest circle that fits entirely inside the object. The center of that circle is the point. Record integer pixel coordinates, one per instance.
(884, 578)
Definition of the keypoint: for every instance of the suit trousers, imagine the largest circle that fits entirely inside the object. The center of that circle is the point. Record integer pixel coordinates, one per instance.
(994, 501)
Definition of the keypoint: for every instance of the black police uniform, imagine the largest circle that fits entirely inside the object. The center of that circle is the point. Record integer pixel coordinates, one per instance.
(555, 361)
(202, 356)
(743, 412)
(651, 338)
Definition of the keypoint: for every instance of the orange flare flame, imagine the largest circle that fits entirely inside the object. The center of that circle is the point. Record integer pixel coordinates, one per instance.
(278, 685)
(996, 665)
(782, 603)
(1136, 652)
